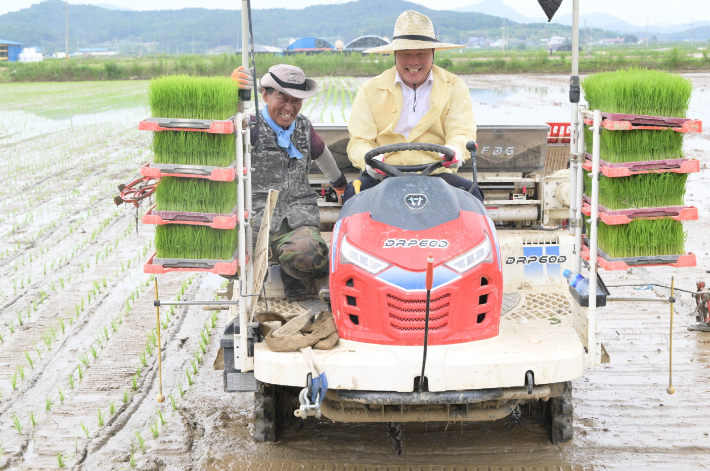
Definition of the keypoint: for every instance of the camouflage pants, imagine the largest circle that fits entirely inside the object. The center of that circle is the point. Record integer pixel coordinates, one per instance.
(301, 252)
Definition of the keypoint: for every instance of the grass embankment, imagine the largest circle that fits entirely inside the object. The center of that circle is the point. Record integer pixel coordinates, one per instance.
(466, 62)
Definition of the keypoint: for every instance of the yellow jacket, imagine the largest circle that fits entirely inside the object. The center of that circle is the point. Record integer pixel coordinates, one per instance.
(377, 108)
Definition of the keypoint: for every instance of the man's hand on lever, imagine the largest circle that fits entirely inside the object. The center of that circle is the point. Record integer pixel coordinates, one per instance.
(457, 160)
(244, 77)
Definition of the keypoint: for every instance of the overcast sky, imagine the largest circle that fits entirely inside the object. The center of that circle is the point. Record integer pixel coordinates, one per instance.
(632, 11)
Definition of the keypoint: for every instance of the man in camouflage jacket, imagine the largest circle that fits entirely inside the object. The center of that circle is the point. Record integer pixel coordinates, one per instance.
(285, 146)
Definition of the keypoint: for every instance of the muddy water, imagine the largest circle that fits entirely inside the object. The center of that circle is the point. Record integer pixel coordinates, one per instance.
(623, 417)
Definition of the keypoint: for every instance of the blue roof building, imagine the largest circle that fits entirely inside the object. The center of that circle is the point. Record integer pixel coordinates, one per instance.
(9, 50)
(310, 45)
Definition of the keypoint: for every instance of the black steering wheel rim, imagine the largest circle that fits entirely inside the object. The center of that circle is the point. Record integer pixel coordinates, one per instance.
(401, 170)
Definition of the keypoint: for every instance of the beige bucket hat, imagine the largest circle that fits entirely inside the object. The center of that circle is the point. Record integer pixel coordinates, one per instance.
(290, 80)
(412, 31)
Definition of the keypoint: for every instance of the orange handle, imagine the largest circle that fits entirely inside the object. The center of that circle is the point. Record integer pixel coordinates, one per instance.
(429, 272)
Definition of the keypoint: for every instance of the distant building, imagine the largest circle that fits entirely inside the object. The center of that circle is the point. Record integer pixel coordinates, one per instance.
(564, 48)
(310, 46)
(477, 41)
(96, 51)
(219, 49)
(9, 50)
(339, 45)
(29, 54)
(365, 42)
(259, 49)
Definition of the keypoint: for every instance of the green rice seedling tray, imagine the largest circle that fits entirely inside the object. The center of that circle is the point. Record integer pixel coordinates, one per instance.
(638, 92)
(625, 216)
(160, 266)
(212, 126)
(215, 221)
(624, 263)
(629, 122)
(649, 166)
(217, 174)
(649, 190)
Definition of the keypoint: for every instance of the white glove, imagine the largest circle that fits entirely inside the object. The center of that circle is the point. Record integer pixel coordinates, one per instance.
(374, 173)
(456, 163)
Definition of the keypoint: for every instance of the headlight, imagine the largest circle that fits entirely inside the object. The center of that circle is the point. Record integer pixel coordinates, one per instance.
(480, 254)
(349, 254)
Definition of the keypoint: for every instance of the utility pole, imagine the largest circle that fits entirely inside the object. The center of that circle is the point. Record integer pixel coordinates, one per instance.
(66, 31)
(193, 44)
(647, 31)
(502, 35)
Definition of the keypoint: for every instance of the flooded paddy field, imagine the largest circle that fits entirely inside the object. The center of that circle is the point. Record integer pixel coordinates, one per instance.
(78, 356)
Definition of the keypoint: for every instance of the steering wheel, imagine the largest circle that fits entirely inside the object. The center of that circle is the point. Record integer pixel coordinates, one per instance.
(401, 170)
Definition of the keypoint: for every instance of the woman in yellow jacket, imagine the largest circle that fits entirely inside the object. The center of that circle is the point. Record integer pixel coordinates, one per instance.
(414, 101)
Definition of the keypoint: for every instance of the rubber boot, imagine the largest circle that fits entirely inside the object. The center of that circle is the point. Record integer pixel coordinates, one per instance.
(293, 287)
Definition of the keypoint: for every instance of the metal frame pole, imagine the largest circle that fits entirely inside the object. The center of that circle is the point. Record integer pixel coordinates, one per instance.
(593, 350)
(248, 207)
(240, 340)
(578, 178)
(575, 124)
(245, 41)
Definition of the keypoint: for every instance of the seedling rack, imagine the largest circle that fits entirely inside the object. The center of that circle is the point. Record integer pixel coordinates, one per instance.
(217, 174)
(239, 266)
(625, 216)
(215, 221)
(649, 166)
(629, 122)
(160, 266)
(211, 126)
(624, 263)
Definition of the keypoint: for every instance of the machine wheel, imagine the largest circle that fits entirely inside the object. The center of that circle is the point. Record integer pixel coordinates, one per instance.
(561, 411)
(265, 417)
(273, 411)
(555, 415)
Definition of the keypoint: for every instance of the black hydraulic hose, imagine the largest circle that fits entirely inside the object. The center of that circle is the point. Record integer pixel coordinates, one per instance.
(253, 62)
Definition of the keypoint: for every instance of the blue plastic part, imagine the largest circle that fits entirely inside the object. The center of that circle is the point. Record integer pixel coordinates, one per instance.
(318, 384)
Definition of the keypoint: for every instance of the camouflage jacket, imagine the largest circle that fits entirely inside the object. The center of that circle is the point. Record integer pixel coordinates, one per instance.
(273, 169)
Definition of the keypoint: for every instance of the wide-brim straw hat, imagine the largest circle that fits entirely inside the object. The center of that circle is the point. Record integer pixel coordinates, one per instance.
(290, 80)
(412, 31)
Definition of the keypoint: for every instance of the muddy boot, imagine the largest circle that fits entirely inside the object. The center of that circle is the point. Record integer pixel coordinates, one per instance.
(293, 287)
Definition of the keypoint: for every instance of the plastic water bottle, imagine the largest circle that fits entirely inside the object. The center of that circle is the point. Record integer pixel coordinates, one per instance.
(574, 278)
(579, 283)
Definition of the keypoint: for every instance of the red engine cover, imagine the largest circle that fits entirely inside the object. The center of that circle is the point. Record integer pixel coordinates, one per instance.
(389, 307)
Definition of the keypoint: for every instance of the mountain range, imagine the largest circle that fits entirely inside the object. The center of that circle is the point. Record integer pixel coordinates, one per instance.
(42, 24)
(200, 29)
(604, 21)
